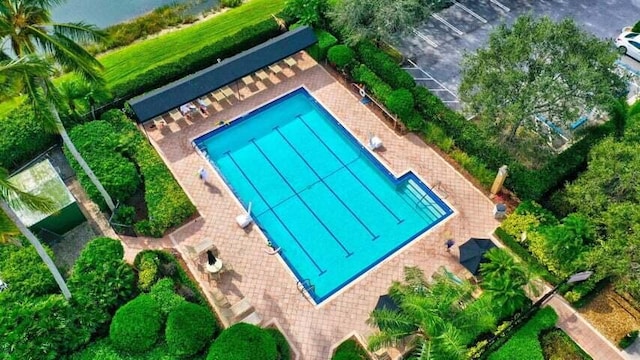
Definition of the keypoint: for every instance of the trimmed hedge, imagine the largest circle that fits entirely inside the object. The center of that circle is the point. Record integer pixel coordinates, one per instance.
(193, 61)
(243, 342)
(325, 40)
(350, 350)
(284, 349)
(372, 82)
(97, 142)
(384, 66)
(190, 328)
(164, 292)
(341, 56)
(22, 137)
(400, 102)
(136, 325)
(525, 343)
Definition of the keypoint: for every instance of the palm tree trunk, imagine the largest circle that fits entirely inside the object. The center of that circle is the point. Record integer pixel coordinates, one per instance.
(83, 164)
(38, 246)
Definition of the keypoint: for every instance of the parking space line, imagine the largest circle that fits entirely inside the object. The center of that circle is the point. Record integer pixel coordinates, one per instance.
(431, 78)
(447, 24)
(470, 12)
(501, 5)
(424, 37)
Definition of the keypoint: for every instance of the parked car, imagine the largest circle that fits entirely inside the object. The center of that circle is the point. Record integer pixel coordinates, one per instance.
(629, 43)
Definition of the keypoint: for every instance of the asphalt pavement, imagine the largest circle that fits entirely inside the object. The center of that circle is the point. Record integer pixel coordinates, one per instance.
(435, 48)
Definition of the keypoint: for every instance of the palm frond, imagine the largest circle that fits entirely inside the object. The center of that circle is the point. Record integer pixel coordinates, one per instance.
(391, 320)
(79, 32)
(18, 199)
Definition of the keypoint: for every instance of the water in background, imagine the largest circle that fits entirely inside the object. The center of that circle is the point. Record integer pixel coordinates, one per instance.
(103, 13)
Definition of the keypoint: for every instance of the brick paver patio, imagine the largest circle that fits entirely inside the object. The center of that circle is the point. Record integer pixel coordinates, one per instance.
(264, 279)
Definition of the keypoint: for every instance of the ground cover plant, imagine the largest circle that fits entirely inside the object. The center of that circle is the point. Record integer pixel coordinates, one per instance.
(350, 350)
(525, 343)
(557, 345)
(124, 161)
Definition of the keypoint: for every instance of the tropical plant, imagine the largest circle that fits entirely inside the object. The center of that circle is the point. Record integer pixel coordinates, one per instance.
(27, 26)
(79, 97)
(432, 317)
(537, 66)
(504, 280)
(309, 12)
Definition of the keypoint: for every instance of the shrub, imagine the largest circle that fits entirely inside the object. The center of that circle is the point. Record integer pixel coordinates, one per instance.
(165, 295)
(384, 66)
(350, 350)
(474, 166)
(190, 328)
(341, 56)
(435, 135)
(636, 27)
(231, 3)
(544, 216)
(101, 281)
(22, 137)
(400, 102)
(148, 271)
(124, 215)
(243, 342)
(524, 344)
(325, 40)
(136, 325)
(628, 339)
(26, 273)
(284, 350)
(97, 142)
(226, 47)
(517, 223)
(373, 83)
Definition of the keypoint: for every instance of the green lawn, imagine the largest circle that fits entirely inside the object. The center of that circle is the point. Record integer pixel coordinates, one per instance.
(126, 63)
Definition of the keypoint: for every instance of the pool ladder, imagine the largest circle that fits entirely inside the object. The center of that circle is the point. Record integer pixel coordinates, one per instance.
(305, 287)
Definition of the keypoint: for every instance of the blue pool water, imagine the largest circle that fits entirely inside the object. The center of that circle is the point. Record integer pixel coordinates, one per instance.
(318, 194)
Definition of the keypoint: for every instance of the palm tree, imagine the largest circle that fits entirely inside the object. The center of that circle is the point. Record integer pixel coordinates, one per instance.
(432, 317)
(28, 27)
(12, 197)
(504, 280)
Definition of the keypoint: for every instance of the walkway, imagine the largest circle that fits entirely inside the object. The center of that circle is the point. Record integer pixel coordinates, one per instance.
(582, 332)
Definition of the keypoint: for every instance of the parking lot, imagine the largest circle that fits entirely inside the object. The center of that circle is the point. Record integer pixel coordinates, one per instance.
(435, 48)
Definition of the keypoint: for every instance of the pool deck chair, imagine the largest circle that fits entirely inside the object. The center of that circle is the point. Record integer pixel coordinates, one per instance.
(175, 114)
(219, 96)
(206, 101)
(245, 219)
(275, 68)
(159, 122)
(262, 75)
(227, 91)
(290, 61)
(247, 80)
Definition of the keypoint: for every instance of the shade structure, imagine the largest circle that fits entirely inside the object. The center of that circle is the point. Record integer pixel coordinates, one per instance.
(472, 253)
(385, 302)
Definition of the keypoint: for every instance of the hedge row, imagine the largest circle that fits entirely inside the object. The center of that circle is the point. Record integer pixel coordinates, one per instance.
(350, 350)
(22, 138)
(194, 61)
(525, 343)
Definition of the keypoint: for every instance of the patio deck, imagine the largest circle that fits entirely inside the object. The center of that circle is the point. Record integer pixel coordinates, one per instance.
(264, 279)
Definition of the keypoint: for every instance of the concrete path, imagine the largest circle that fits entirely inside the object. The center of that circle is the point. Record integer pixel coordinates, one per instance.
(585, 335)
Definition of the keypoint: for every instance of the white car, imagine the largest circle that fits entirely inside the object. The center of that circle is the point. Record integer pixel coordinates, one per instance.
(629, 43)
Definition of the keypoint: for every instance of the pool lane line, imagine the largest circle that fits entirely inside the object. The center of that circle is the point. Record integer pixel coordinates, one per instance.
(373, 236)
(276, 215)
(349, 253)
(350, 171)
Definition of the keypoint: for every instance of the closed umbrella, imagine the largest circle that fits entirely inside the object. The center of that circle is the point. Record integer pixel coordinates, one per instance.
(211, 259)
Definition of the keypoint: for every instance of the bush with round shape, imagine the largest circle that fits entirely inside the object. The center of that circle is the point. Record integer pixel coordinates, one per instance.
(97, 251)
(284, 349)
(165, 295)
(136, 325)
(190, 327)
(243, 342)
(341, 56)
(401, 103)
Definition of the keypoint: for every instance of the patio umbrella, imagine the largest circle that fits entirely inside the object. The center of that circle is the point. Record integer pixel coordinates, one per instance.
(211, 259)
(472, 253)
(385, 302)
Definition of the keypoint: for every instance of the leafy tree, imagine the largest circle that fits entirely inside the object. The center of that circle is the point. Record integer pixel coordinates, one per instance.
(26, 25)
(432, 316)
(378, 20)
(309, 12)
(79, 96)
(505, 281)
(538, 67)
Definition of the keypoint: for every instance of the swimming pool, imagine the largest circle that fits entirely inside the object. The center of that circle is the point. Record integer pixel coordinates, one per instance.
(333, 209)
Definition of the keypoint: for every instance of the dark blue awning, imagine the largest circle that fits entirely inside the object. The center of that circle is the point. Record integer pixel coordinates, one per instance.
(193, 86)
